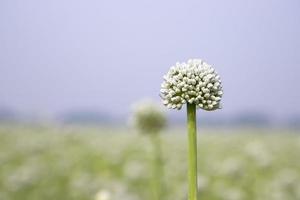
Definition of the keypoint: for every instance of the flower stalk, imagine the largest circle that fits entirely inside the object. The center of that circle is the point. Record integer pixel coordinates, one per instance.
(198, 85)
(149, 119)
(192, 151)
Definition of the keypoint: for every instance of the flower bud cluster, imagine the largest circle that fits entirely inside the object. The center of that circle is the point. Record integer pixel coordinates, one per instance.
(148, 117)
(194, 82)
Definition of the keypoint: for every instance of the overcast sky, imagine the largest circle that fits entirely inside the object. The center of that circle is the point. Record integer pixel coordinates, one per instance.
(59, 55)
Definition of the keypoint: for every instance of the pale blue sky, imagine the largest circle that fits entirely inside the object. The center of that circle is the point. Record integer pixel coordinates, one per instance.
(58, 55)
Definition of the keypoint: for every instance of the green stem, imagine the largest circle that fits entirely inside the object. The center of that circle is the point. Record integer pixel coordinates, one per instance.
(192, 151)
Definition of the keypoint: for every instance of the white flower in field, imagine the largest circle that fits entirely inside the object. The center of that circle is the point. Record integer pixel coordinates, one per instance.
(284, 185)
(103, 195)
(83, 182)
(232, 167)
(27, 174)
(257, 152)
(202, 182)
(194, 82)
(115, 191)
(288, 178)
(148, 117)
(233, 194)
(135, 170)
(225, 192)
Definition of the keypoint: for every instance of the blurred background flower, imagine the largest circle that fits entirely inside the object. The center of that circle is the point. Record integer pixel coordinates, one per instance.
(148, 117)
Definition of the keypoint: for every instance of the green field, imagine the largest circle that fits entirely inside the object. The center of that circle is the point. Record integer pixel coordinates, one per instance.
(62, 163)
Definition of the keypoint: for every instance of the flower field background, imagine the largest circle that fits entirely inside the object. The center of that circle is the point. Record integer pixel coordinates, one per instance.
(115, 164)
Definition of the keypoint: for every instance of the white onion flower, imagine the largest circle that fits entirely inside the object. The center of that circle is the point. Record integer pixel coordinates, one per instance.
(197, 85)
(194, 82)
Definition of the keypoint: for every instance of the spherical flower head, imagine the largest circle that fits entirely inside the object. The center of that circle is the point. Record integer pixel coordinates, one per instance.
(194, 82)
(148, 117)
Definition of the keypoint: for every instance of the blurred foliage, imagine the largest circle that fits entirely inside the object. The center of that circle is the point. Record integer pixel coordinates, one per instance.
(100, 164)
